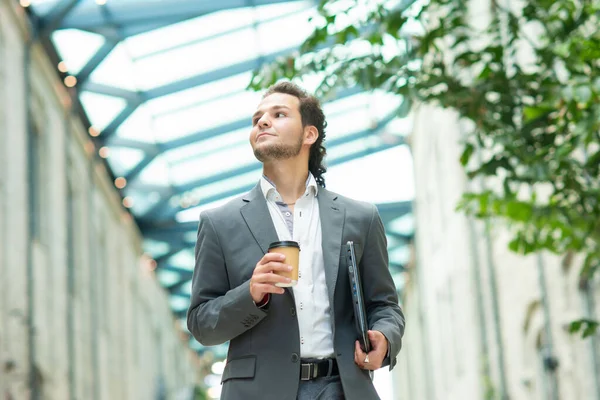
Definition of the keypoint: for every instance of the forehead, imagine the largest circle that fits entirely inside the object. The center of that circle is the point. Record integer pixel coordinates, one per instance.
(279, 99)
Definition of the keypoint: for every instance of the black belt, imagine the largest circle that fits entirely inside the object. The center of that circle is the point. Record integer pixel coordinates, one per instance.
(318, 369)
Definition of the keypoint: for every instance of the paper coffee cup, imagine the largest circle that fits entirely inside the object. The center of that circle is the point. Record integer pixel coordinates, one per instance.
(291, 251)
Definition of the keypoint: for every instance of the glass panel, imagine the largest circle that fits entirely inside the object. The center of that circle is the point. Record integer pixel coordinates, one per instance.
(196, 58)
(123, 159)
(207, 26)
(400, 126)
(191, 214)
(198, 94)
(352, 147)
(207, 146)
(142, 201)
(117, 70)
(155, 247)
(157, 172)
(374, 173)
(347, 103)
(178, 303)
(216, 162)
(76, 47)
(138, 126)
(184, 259)
(101, 109)
(404, 224)
(206, 116)
(166, 277)
(296, 27)
(191, 236)
(345, 124)
(400, 255)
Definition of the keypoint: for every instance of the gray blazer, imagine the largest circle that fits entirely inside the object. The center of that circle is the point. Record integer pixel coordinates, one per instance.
(263, 361)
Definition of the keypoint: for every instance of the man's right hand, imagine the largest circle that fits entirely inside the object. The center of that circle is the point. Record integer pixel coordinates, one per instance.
(264, 278)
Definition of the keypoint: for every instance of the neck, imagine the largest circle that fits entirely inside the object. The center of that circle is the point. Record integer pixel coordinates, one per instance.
(289, 177)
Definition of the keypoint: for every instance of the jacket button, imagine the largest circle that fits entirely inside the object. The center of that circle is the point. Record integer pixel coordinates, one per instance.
(293, 311)
(295, 357)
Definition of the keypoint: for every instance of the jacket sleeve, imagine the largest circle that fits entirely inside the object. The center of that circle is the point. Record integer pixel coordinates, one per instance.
(217, 312)
(383, 312)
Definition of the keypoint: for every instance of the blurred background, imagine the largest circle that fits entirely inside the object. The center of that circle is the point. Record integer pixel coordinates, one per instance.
(121, 120)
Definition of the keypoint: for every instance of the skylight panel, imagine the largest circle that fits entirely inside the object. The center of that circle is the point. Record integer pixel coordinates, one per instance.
(196, 58)
(76, 47)
(117, 70)
(206, 116)
(214, 163)
(138, 126)
(199, 94)
(374, 172)
(208, 146)
(101, 109)
(123, 159)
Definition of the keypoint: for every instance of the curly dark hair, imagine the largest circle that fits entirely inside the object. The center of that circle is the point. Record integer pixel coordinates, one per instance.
(312, 114)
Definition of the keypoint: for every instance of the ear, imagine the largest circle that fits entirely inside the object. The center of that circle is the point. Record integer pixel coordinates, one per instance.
(311, 134)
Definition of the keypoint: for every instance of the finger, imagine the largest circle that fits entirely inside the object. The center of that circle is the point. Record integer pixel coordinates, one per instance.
(273, 266)
(264, 288)
(270, 277)
(359, 355)
(271, 257)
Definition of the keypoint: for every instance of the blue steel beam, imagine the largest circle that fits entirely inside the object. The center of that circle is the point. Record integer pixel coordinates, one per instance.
(146, 147)
(164, 204)
(243, 189)
(135, 99)
(388, 211)
(187, 83)
(139, 12)
(239, 124)
(254, 167)
(55, 17)
(194, 138)
(96, 60)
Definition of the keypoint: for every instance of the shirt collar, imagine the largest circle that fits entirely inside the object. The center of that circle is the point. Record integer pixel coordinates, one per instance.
(270, 192)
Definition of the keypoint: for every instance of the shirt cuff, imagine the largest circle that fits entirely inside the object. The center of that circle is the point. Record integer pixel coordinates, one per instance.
(265, 300)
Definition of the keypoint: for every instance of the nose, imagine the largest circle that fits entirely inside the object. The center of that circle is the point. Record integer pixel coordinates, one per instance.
(264, 121)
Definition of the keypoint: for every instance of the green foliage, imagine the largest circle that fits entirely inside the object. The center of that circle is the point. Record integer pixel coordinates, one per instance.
(586, 326)
(528, 81)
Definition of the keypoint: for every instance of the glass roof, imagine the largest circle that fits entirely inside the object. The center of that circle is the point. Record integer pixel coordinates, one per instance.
(163, 83)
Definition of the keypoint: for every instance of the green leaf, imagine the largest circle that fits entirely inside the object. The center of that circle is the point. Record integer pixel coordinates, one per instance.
(534, 112)
(467, 153)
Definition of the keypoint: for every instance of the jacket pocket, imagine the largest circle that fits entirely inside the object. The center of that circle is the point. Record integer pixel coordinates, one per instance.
(240, 368)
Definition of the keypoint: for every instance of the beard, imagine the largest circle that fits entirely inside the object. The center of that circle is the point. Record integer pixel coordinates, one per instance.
(278, 151)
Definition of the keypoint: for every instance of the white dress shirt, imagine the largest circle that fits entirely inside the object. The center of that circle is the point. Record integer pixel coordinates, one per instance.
(310, 294)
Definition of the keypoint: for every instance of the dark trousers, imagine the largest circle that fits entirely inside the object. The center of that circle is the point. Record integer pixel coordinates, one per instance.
(326, 388)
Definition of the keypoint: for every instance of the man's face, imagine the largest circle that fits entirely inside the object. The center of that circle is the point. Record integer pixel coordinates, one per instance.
(277, 131)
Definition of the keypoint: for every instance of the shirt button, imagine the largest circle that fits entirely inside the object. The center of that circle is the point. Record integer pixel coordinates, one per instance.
(295, 357)
(288, 214)
(293, 311)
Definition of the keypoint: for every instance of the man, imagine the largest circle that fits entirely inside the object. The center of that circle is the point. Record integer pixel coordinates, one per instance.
(296, 342)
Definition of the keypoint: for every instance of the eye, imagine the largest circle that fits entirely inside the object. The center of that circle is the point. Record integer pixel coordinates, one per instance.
(255, 121)
(279, 114)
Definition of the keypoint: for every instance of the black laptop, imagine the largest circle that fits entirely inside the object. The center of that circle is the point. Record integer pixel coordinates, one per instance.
(360, 314)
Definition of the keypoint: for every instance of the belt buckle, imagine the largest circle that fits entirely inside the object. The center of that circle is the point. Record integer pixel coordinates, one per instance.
(305, 372)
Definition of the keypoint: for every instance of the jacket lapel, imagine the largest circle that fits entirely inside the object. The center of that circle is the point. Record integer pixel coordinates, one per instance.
(257, 217)
(332, 215)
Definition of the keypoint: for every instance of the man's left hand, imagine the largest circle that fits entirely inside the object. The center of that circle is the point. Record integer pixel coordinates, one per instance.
(379, 349)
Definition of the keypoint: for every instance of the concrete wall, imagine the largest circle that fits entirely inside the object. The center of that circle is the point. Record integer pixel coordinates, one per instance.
(474, 309)
(77, 299)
